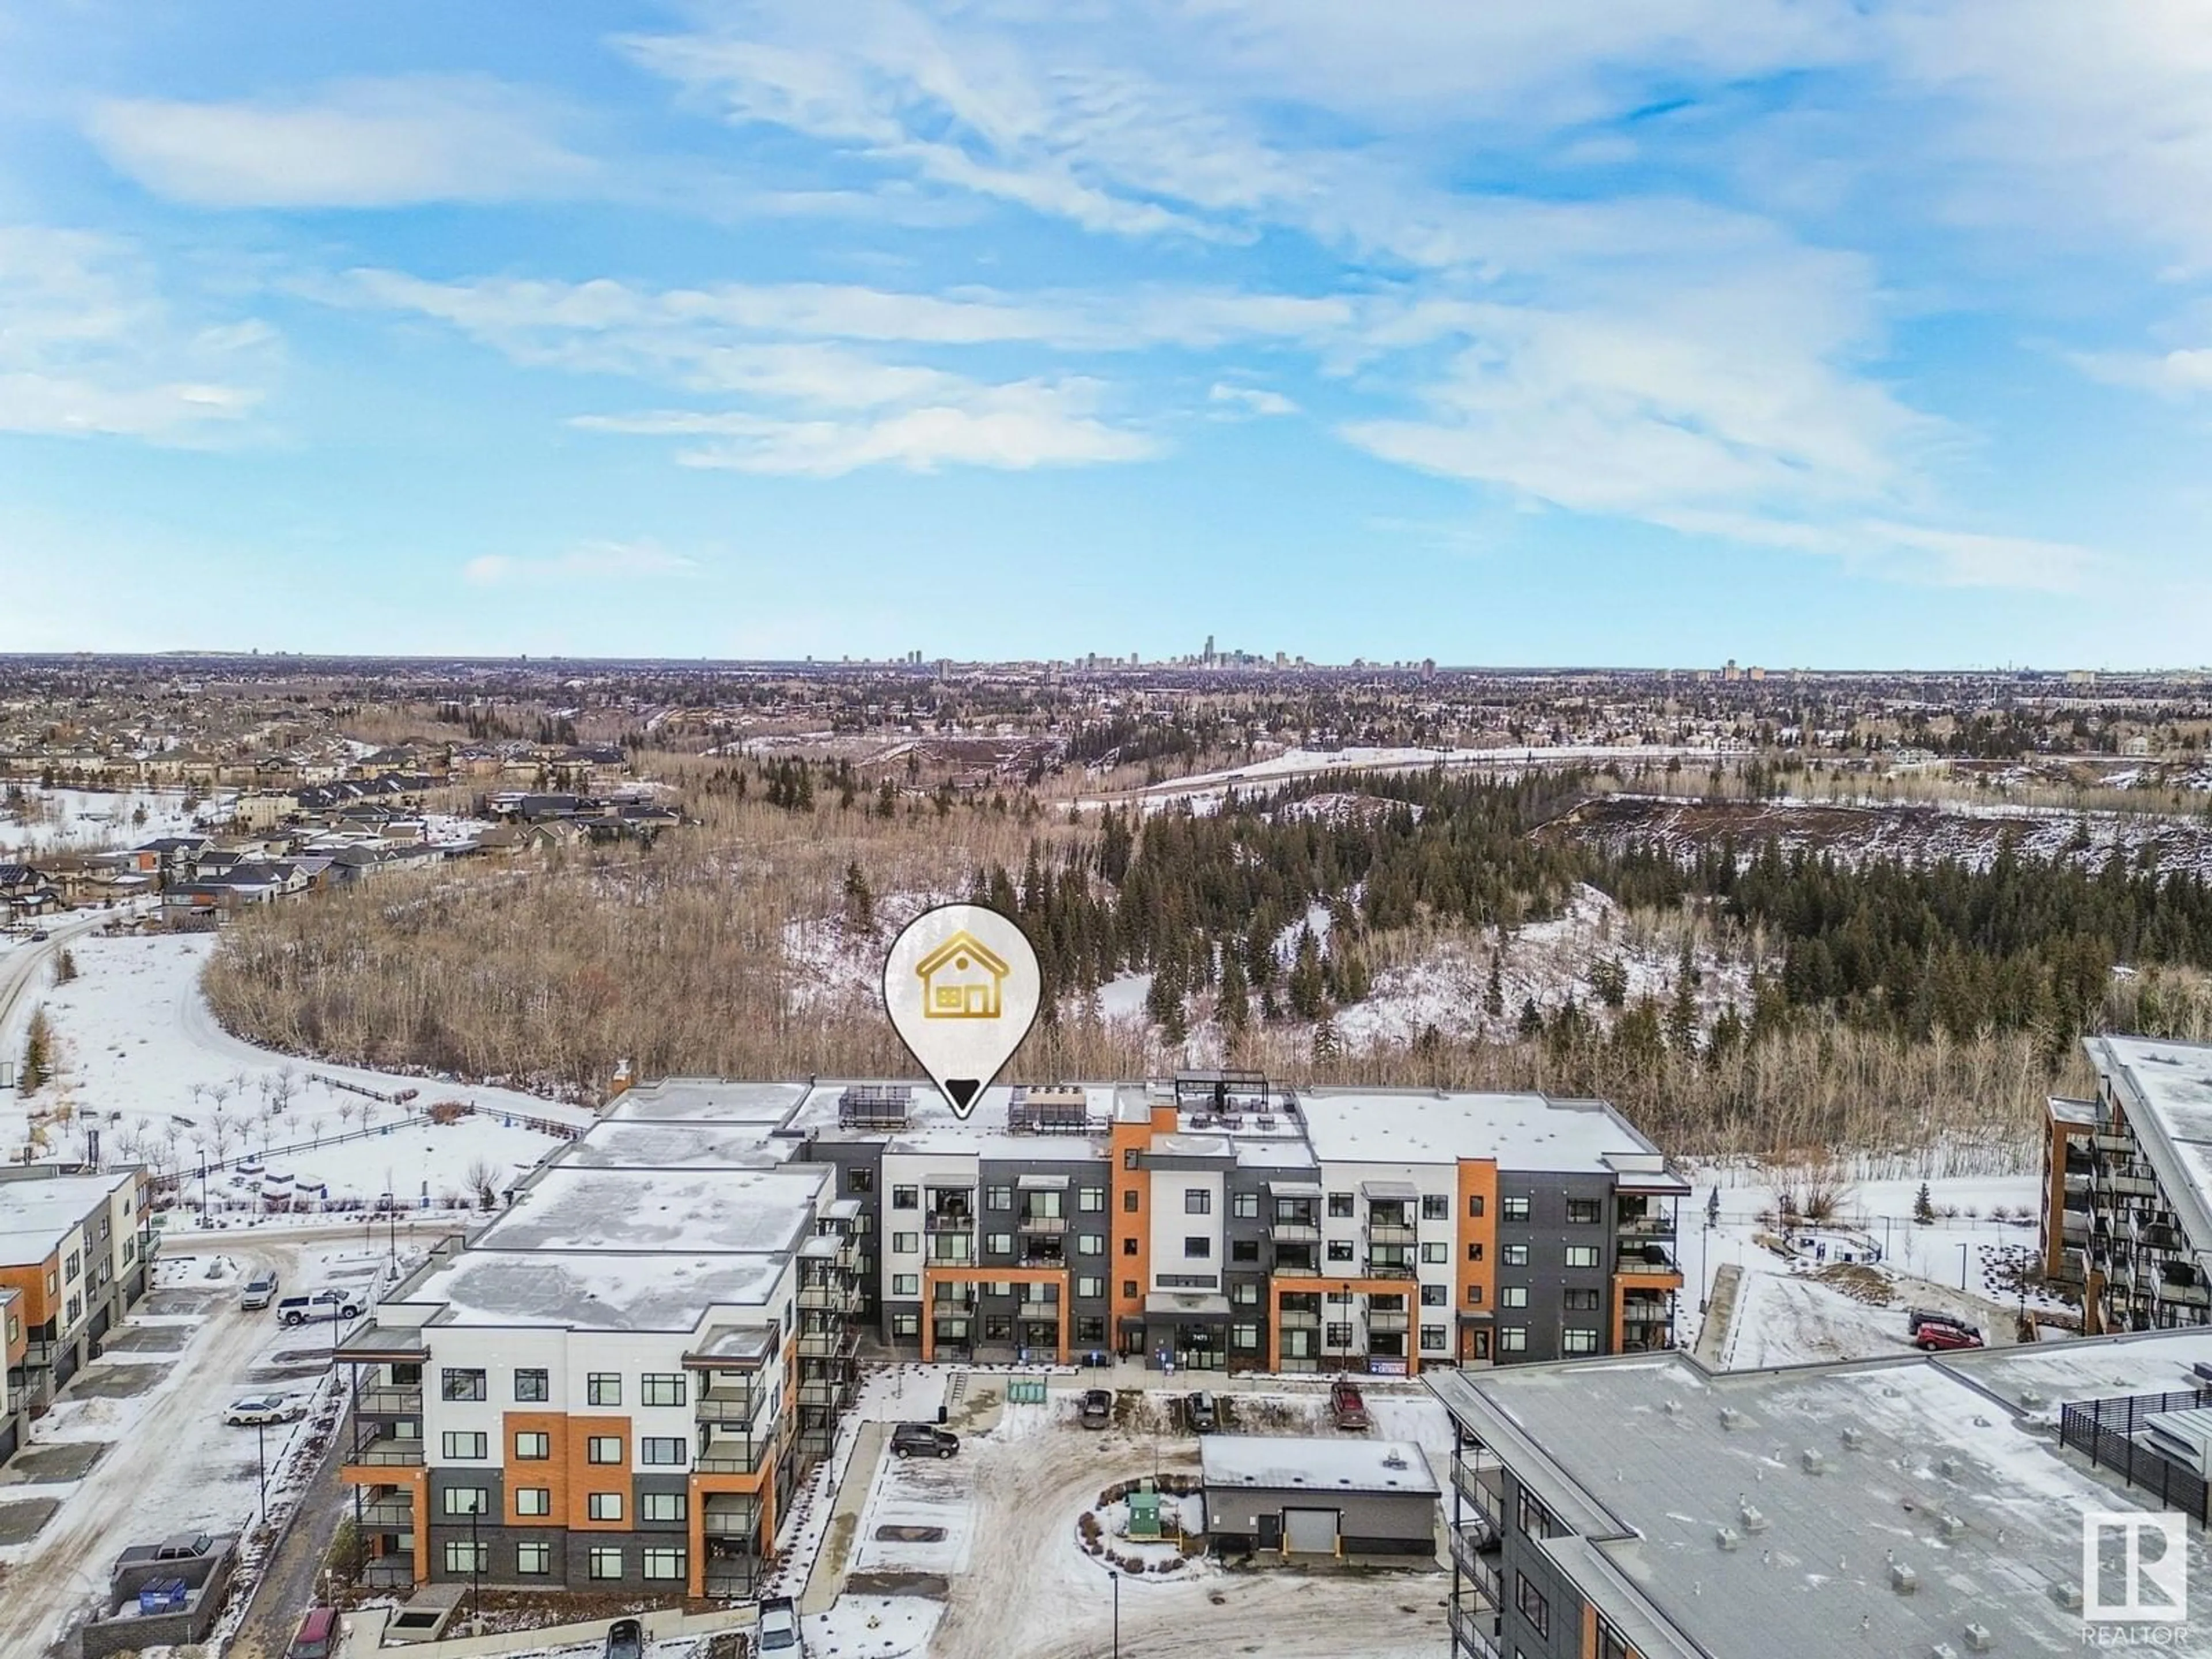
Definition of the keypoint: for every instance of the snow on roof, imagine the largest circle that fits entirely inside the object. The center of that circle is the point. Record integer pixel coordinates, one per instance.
(665, 1210)
(1521, 1132)
(666, 1146)
(1649, 1458)
(35, 1212)
(932, 1126)
(2166, 1090)
(677, 1099)
(656, 1290)
(1288, 1463)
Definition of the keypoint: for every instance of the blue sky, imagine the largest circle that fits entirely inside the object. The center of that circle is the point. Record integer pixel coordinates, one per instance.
(1818, 334)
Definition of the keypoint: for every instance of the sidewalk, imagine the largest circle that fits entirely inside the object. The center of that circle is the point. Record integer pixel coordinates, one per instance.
(825, 1582)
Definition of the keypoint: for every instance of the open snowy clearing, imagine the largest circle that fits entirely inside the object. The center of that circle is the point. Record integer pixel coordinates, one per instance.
(141, 1059)
(88, 820)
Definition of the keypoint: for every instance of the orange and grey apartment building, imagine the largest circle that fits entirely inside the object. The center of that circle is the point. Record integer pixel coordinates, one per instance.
(621, 1379)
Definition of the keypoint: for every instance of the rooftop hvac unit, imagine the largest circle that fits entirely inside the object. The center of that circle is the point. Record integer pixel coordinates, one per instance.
(1063, 1110)
(874, 1106)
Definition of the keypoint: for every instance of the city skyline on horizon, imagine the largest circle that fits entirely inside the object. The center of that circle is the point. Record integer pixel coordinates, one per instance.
(721, 328)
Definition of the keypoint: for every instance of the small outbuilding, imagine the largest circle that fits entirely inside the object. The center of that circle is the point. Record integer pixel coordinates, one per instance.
(1266, 1495)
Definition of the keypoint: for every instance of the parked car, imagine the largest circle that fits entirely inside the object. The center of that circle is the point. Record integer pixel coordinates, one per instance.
(778, 1629)
(626, 1640)
(1346, 1407)
(317, 1637)
(261, 1408)
(260, 1291)
(323, 1304)
(41, 936)
(1204, 1418)
(923, 1440)
(1933, 1335)
(1097, 1408)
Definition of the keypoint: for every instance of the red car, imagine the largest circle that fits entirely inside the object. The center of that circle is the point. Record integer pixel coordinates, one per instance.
(1931, 1335)
(1345, 1405)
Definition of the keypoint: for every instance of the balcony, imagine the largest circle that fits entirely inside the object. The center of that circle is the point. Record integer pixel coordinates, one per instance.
(1297, 1263)
(389, 1572)
(1299, 1319)
(1474, 1553)
(1043, 1312)
(1649, 1259)
(389, 1402)
(831, 1392)
(1637, 1228)
(731, 1518)
(1474, 1630)
(2131, 1184)
(1388, 1267)
(830, 1298)
(734, 1454)
(391, 1511)
(839, 1344)
(848, 1254)
(386, 1450)
(1392, 1232)
(1044, 1225)
(728, 1405)
(1481, 1482)
(953, 1250)
(1387, 1321)
(951, 1221)
(37, 1356)
(1295, 1229)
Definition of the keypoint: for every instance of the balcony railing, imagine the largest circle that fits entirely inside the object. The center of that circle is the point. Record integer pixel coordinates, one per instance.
(1389, 1269)
(1298, 1319)
(389, 1402)
(734, 1455)
(952, 1221)
(385, 1514)
(829, 1298)
(1298, 1267)
(389, 1572)
(1295, 1232)
(1389, 1319)
(730, 1519)
(728, 1408)
(1646, 1226)
(1642, 1262)
(1474, 1631)
(383, 1450)
(1046, 1225)
(943, 1253)
(1481, 1482)
(825, 1391)
(1392, 1232)
(829, 1344)
(1474, 1551)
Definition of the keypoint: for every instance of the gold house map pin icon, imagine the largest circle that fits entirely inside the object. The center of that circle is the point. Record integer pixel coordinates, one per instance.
(961, 986)
(961, 979)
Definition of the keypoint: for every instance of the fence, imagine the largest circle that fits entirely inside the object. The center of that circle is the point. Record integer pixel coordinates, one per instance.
(2105, 1431)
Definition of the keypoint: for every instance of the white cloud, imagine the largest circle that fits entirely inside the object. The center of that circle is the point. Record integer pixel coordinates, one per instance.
(1250, 399)
(371, 143)
(2181, 372)
(89, 347)
(593, 562)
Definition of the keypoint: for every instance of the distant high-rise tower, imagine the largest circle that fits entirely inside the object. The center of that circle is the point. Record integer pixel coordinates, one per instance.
(1208, 658)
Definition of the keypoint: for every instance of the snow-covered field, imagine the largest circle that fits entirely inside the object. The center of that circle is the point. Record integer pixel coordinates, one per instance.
(85, 820)
(141, 1060)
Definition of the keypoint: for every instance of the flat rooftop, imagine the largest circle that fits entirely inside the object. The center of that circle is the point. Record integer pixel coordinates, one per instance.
(36, 1211)
(1289, 1463)
(674, 1211)
(652, 1291)
(1636, 1456)
(680, 1099)
(932, 1127)
(700, 1144)
(1521, 1132)
(2170, 1084)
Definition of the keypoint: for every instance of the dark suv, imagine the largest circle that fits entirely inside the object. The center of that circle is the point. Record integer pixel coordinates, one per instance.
(923, 1440)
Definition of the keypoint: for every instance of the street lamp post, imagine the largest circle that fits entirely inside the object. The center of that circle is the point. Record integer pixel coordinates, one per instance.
(261, 1457)
(1115, 1578)
(1963, 1249)
(475, 1568)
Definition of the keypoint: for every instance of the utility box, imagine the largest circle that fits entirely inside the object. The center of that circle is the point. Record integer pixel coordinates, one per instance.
(1145, 1512)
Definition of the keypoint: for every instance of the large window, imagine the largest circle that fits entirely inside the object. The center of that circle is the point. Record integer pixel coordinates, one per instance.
(1197, 1249)
(1582, 1255)
(1513, 1209)
(533, 1500)
(663, 1561)
(1436, 1296)
(1339, 1249)
(998, 1198)
(464, 1557)
(464, 1445)
(906, 1198)
(461, 1385)
(1245, 1338)
(1582, 1211)
(1514, 1255)
(1090, 1243)
(1436, 1206)
(665, 1450)
(1512, 1296)
(1338, 1335)
(1000, 1243)
(1439, 1251)
(1534, 1608)
(466, 1500)
(603, 1449)
(605, 1561)
(1245, 1206)
(1197, 1201)
(1243, 1249)
(906, 1324)
(534, 1386)
(604, 1505)
(1433, 1338)
(1573, 1340)
(533, 1560)
(905, 1244)
(906, 1284)
(1091, 1200)
(1339, 1204)
(603, 1389)
(1513, 1338)
(663, 1506)
(1584, 1301)
(1090, 1286)
(661, 1389)
(532, 1446)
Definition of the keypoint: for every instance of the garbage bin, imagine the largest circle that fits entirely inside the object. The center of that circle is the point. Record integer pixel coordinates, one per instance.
(940, 1414)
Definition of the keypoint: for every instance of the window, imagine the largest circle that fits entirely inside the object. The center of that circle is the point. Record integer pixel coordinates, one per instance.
(462, 1445)
(1243, 1249)
(661, 1389)
(1129, 1285)
(1534, 1608)
(1432, 1337)
(1582, 1211)
(460, 1385)
(533, 1500)
(533, 1560)
(1186, 1281)
(1339, 1204)
(1611, 1644)
(1436, 1296)
(1089, 1327)
(603, 1449)
(906, 1324)
(1090, 1285)
(1582, 1255)
(1128, 1157)
(1246, 1294)
(1436, 1206)
(464, 1557)
(999, 1198)
(74, 1265)
(532, 1385)
(466, 1500)
(1090, 1200)
(604, 1505)
(1513, 1339)
(532, 1447)
(1438, 1252)
(605, 1561)
(905, 1244)
(1245, 1206)
(603, 1389)
(857, 1180)
(1339, 1336)
(1131, 1201)
(1513, 1209)
(1512, 1296)
(1574, 1340)
(1129, 1246)
(1197, 1249)
(1481, 1346)
(1245, 1338)
(663, 1506)
(906, 1198)
(1581, 1301)
(1475, 1296)
(1339, 1249)
(76, 1307)
(998, 1328)
(663, 1561)
(666, 1450)
(1000, 1243)
(1090, 1243)
(1197, 1201)
(1474, 1206)
(1514, 1255)
(1474, 1253)
(1531, 1517)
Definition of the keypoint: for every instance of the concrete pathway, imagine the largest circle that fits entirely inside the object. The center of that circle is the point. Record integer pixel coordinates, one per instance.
(1713, 1335)
(827, 1580)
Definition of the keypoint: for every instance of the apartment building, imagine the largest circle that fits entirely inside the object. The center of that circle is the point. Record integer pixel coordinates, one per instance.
(2127, 1203)
(620, 1379)
(1650, 1509)
(77, 1251)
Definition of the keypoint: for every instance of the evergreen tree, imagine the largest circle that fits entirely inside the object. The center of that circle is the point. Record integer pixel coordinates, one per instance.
(1327, 1045)
(38, 1052)
(1234, 1003)
(1493, 994)
(860, 902)
(1532, 1019)
(1713, 1209)
(1923, 1207)
(1682, 1018)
